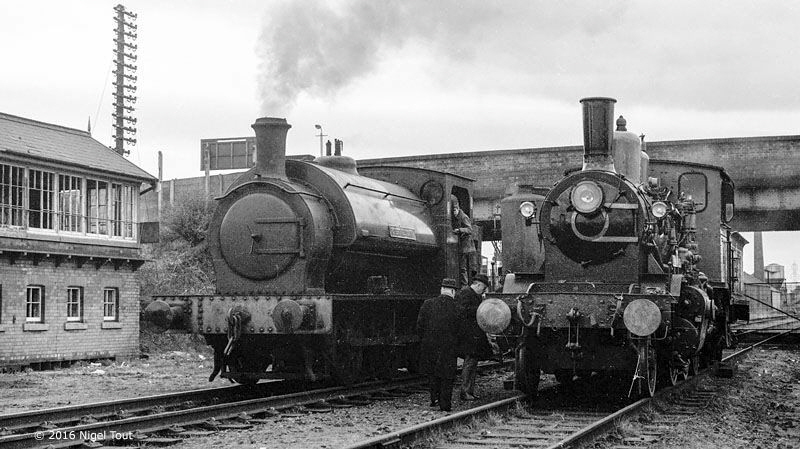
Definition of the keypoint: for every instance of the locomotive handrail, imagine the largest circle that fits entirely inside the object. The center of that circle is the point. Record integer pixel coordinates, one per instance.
(385, 194)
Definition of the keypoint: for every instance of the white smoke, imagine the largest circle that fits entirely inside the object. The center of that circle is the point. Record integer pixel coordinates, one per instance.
(311, 46)
(541, 49)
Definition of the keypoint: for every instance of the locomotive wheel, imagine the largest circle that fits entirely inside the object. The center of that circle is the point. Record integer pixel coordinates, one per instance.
(564, 376)
(527, 370)
(244, 380)
(241, 364)
(669, 372)
(694, 365)
(348, 366)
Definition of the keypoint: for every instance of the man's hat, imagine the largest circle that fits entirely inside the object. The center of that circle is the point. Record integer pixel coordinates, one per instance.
(454, 200)
(449, 283)
(481, 278)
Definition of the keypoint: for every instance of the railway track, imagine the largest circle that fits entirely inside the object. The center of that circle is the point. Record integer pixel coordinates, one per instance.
(169, 418)
(510, 425)
(159, 426)
(29, 421)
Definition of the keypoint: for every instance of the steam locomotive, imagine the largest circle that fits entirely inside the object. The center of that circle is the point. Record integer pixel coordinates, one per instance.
(605, 266)
(321, 267)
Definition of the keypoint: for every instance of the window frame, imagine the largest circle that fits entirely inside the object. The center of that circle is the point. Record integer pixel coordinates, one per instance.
(71, 217)
(41, 188)
(29, 303)
(43, 199)
(75, 301)
(704, 200)
(12, 195)
(97, 207)
(114, 304)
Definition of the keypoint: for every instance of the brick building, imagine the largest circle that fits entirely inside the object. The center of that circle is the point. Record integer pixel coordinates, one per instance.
(69, 245)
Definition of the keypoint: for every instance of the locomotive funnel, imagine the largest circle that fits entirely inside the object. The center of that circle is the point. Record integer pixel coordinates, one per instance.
(598, 133)
(271, 146)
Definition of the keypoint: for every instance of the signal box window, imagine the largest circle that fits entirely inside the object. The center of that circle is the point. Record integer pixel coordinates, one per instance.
(75, 304)
(41, 191)
(96, 207)
(34, 304)
(11, 190)
(122, 210)
(110, 304)
(69, 202)
(694, 185)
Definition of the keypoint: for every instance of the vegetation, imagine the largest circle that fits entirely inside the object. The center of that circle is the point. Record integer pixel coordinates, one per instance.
(180, 264)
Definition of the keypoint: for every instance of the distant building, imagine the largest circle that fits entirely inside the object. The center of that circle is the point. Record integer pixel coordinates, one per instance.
(737, 253)
(774, 274)
(69, 245)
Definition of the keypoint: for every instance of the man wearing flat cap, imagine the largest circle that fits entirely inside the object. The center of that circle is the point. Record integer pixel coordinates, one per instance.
(462, 228)
(437, 325)
(473, 343)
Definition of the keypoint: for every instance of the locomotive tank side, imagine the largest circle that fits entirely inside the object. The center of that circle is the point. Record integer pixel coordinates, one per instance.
(523, 250)
(382, 229)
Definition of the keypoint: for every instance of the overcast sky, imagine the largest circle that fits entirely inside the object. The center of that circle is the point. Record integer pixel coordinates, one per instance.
(408, 77)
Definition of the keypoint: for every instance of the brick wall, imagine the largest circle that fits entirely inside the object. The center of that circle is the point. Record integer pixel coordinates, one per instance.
(756, 164)
(99, 339)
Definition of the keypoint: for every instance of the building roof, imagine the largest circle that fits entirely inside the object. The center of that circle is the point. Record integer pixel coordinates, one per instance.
(32, 139)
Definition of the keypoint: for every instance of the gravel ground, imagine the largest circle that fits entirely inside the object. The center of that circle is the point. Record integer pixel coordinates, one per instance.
(95, 382)
(347, 426)
(758, 408)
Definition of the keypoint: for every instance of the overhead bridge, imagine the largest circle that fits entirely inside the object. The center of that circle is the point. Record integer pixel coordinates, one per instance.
(765, 170)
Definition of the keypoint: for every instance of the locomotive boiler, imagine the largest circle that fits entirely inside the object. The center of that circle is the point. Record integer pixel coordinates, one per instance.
(321, 266)
(610, 279)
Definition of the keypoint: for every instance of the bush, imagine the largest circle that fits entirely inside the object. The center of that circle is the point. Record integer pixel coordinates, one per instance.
(180, 264)
(187, 220)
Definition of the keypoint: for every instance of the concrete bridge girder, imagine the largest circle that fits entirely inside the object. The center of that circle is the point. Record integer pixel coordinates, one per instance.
(765, 170)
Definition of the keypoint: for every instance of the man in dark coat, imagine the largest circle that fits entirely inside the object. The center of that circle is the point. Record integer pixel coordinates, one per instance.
(437, 325)
(462, 228)
(474, 345)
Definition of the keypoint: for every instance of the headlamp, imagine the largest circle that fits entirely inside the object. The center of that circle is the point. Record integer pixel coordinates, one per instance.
(658, 209)
(587, 197)
(527, 209)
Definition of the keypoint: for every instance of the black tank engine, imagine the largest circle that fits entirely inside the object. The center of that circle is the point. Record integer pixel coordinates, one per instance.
(321, 266)
(610, 280)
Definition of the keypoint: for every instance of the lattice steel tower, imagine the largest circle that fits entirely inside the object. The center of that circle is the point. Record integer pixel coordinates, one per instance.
(125, 84)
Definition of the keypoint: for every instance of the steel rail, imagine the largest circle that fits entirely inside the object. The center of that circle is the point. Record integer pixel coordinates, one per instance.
(414, 433)
(32, 418)
(161, 421)
(410, 434)
(602, 424)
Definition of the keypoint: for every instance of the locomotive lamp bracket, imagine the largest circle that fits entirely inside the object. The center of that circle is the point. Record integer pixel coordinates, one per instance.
(574, 318)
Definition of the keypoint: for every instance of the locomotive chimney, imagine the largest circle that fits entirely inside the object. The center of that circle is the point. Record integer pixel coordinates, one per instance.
(271, 146)
(598, 133)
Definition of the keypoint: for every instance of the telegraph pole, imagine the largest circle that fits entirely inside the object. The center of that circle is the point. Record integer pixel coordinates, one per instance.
(125, 84)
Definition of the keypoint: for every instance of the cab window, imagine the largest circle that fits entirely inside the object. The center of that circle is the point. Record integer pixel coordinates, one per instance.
(694, 185)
